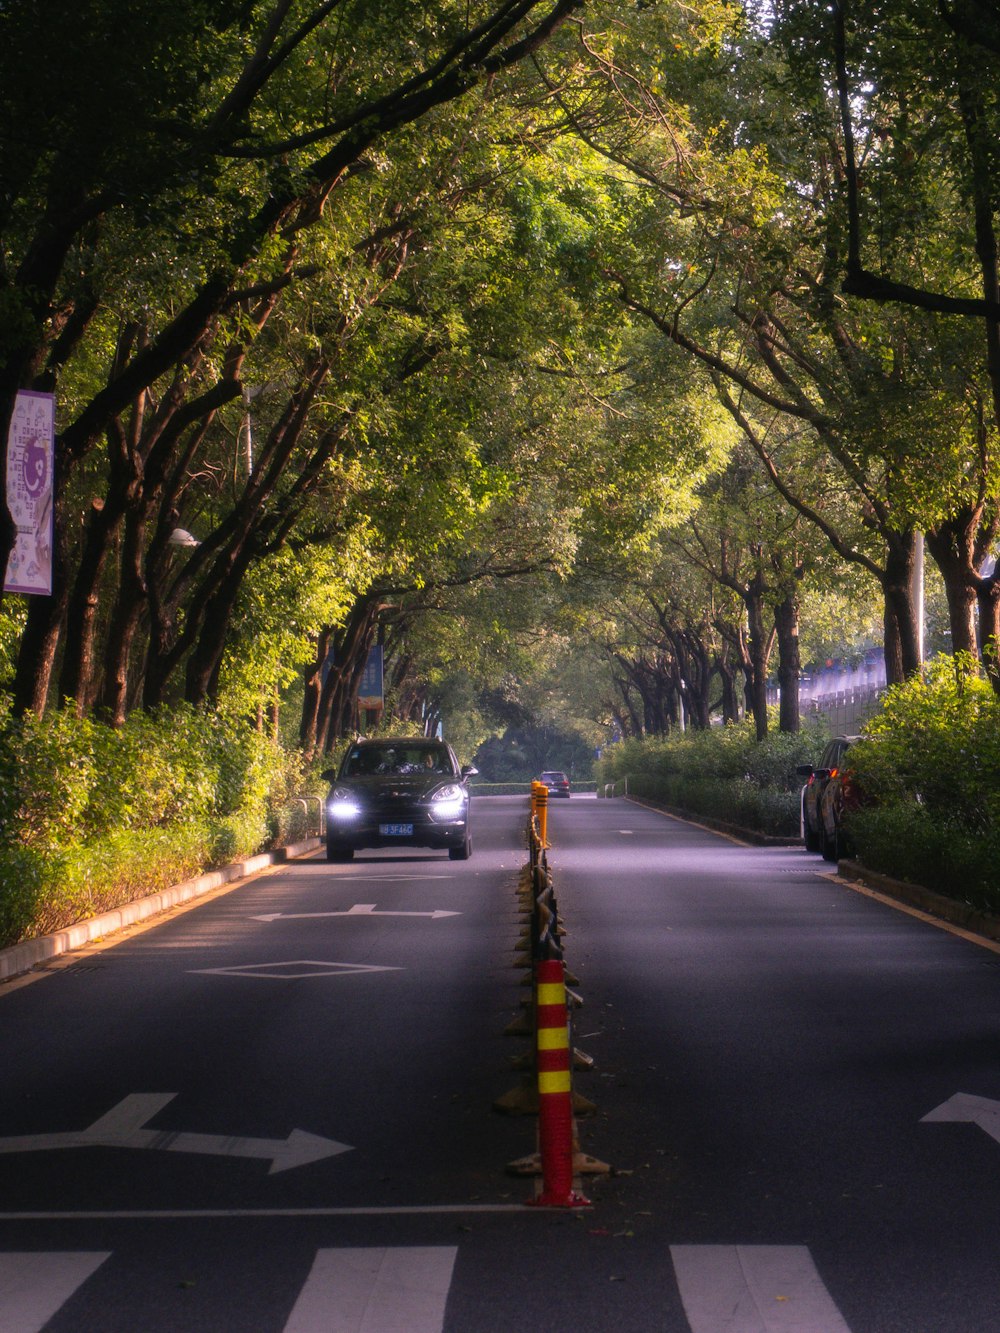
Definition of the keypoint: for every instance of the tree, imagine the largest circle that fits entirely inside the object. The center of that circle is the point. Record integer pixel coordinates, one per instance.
(255, 121)
(744, 197)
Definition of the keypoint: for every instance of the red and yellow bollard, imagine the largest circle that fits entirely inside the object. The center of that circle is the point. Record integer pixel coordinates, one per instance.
(555, 1090)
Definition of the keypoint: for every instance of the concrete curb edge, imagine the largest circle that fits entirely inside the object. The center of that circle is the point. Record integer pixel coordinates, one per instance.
(955, 913)
(713, 825)
(934, 904)
(21, 958)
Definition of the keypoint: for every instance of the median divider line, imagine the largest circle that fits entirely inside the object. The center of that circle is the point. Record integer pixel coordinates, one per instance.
(21, 958)
(546, 1087)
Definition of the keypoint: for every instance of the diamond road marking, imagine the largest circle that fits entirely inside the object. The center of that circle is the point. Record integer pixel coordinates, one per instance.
(291, 971)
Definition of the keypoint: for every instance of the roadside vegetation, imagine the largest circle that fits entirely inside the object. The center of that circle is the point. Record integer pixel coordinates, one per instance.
(724, 774)
(602, 365)
(92, 817)
(928, 773)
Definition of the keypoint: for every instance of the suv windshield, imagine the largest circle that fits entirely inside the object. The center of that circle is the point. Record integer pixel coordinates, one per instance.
(369, 760)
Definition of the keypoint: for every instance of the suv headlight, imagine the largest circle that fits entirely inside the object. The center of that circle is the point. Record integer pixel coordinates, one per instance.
(342, 804)
(448, 802)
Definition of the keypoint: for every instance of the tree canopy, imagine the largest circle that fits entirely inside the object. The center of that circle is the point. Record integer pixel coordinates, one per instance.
(617, 336)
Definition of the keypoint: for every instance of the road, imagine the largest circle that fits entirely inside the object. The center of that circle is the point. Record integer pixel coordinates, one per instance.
(275, 1111)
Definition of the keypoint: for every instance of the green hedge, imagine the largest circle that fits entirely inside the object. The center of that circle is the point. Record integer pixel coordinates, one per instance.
(734, 801)
(724, 773)
(92, 817)
(929, 771)
(943, 855)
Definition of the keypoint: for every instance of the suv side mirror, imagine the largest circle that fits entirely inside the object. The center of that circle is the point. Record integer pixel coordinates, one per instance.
(804, 770)
(328, 774)
(469, 771)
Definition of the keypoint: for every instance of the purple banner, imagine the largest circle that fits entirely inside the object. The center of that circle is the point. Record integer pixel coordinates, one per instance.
(30, 455)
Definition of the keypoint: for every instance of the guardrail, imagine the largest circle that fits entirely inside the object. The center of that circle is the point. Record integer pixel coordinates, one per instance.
(296, 819)
(547, 1088)
(305, 802)
(611, 788)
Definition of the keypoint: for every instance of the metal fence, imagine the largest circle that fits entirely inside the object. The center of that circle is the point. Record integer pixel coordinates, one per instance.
(845, 710)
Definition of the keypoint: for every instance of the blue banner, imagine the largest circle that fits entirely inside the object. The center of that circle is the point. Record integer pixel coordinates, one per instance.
(370, 691)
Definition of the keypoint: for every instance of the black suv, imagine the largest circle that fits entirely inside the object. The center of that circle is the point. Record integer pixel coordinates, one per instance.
(398, 793)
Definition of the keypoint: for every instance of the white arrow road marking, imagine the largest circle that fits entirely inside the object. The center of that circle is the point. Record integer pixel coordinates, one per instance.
(122, 1127)
(367, 1290)
(359, 909)
(34, 1286)
(291, 971)
(964, 1106)
(753, 1289)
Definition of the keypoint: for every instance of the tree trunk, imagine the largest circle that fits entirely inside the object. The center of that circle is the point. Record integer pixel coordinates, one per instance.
(309, 724)
(76, 678)
(786, 622)
(129, 605)
(203, 664)
(902, 655)
(730, 701)
(759, 652)
(957, 548)
(339, 695)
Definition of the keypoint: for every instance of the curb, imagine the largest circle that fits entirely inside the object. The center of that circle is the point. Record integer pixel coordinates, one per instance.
(955, 913)
(962, 915)
(715, 825)
(20, 958)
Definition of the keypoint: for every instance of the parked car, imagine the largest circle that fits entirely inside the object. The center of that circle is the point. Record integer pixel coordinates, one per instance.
(841, 795)
(814, 830)
(556, 783)
(398, 793)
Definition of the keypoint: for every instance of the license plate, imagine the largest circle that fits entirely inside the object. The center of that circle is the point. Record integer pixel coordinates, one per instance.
(395, 830)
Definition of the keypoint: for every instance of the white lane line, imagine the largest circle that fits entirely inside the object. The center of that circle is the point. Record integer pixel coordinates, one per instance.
(359, 909)
(753, 1289)
(195, 1214)
(34, 1286)
(375, 1291)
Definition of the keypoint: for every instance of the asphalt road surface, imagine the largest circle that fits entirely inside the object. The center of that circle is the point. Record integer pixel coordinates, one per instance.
(275, 1111)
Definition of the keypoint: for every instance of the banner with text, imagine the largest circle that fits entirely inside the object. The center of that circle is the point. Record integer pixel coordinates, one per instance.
(370, 692)
(30, 459)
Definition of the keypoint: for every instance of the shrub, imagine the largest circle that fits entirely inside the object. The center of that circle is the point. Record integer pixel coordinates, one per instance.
(724, 773)
(905, 841)
(929, 771)
(92, 817)
(936, 743)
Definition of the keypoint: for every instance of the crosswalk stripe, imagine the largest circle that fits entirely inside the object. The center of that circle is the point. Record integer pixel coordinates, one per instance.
(34, 1286)
(375, 1290)
(753, 1289)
